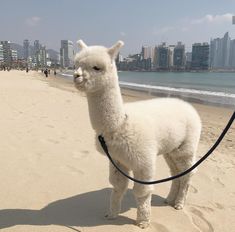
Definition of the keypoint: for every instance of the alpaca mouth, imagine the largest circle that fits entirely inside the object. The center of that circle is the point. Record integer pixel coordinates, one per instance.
(80, 83)
(78, 80)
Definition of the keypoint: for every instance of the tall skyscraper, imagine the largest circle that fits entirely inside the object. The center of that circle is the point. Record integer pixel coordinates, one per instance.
(226, 49)
(1, 54)
(146, 52)
(232, 54)
(26, 49)
(66, 54)
(171, 56)
(36, 53)
(216, 53)
(179, 56)
(6, 52)
(222, 52)
(14, 55)
(162, 56)
(43, 56)
(200, 56)
(36, 45)
(155, 58)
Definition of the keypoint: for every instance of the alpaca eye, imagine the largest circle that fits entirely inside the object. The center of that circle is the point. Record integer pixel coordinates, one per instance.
(96, 68)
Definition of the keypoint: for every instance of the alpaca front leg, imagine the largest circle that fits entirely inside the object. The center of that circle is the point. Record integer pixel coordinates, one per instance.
(143, 195)
(120, 184)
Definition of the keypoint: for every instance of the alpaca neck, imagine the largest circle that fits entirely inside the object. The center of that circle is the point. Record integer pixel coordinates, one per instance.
(106, 109)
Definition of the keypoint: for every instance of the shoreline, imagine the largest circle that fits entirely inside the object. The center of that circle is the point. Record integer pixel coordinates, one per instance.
(218, 99)
(53, 179)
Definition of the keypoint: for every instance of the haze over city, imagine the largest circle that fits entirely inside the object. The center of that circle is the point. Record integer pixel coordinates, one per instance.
(136, 22)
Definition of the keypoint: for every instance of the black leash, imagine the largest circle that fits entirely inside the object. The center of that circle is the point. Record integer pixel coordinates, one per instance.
(105, 148)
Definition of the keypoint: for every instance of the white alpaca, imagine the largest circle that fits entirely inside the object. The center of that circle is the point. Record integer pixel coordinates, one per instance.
(136, 132)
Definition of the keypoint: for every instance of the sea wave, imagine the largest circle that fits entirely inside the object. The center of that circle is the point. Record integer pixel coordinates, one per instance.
(66, 74)
(206, 96)
(175, 90)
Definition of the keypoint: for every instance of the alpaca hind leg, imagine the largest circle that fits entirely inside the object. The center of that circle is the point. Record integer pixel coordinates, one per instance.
(183, 160)
(120, 184)
(175, 183)
(143, 195)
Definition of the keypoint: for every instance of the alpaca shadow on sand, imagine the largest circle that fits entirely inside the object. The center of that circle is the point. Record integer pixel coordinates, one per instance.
(85, 210)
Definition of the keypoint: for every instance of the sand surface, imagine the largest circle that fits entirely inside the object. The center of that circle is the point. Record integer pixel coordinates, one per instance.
(53, 179)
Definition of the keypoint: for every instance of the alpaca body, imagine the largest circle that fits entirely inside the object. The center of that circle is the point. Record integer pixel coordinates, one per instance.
(136, 133)
(168, 124)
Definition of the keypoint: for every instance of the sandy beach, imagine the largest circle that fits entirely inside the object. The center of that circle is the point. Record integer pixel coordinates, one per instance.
(53, 179)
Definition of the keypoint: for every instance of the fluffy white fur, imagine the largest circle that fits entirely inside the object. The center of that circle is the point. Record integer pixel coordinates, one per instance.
(136, 133)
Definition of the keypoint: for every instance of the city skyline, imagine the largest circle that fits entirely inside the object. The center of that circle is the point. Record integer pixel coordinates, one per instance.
(136, 22)
(218, 54)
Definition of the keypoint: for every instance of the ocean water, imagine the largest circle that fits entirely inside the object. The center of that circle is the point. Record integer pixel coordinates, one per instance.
(214, 88)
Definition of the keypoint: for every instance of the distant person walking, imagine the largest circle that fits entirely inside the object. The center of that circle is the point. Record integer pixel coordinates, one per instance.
(46, 72)
(27, 69)
(54, 72)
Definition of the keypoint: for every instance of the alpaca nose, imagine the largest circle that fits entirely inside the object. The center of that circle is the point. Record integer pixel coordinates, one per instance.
(77, 73)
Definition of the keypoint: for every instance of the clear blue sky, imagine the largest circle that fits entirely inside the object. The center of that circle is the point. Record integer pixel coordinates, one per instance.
(136, 22)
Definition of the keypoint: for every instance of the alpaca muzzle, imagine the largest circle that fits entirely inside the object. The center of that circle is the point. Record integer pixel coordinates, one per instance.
(78, 78)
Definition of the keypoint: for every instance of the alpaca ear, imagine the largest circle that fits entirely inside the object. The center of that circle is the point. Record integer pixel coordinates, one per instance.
(113, 51)
(81, 44)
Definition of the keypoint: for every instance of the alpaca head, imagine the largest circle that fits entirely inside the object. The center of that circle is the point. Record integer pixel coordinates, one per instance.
(95, 67)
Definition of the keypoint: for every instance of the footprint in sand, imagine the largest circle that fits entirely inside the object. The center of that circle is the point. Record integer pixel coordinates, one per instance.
(193, 189)
(50, 126)
(204, 208)
(81, 154)
(200, 221)
(159, 227)
(85, 152)
(74, 170)
(218, 181)
(53, 141)
(218, 205)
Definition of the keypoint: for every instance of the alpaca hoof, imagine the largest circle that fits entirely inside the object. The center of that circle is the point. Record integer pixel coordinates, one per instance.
(178, 206)
(143, 224)
(110, 217)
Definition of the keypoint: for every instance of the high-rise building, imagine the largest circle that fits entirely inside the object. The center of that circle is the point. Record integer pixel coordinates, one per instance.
(36, 45)
(162, 56)
(216, 53)
(1, 54)
(146, 52)
(66, 54)
(220, 52)
(39, 55)
(43, 56)
(232, 54)
(171, 56)
(26, 49)
(36, 54)
(226, 49)
(179, 56)
(200, 56)
(14, 55)
(155, 58)
(146, 58)
(6, 52)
